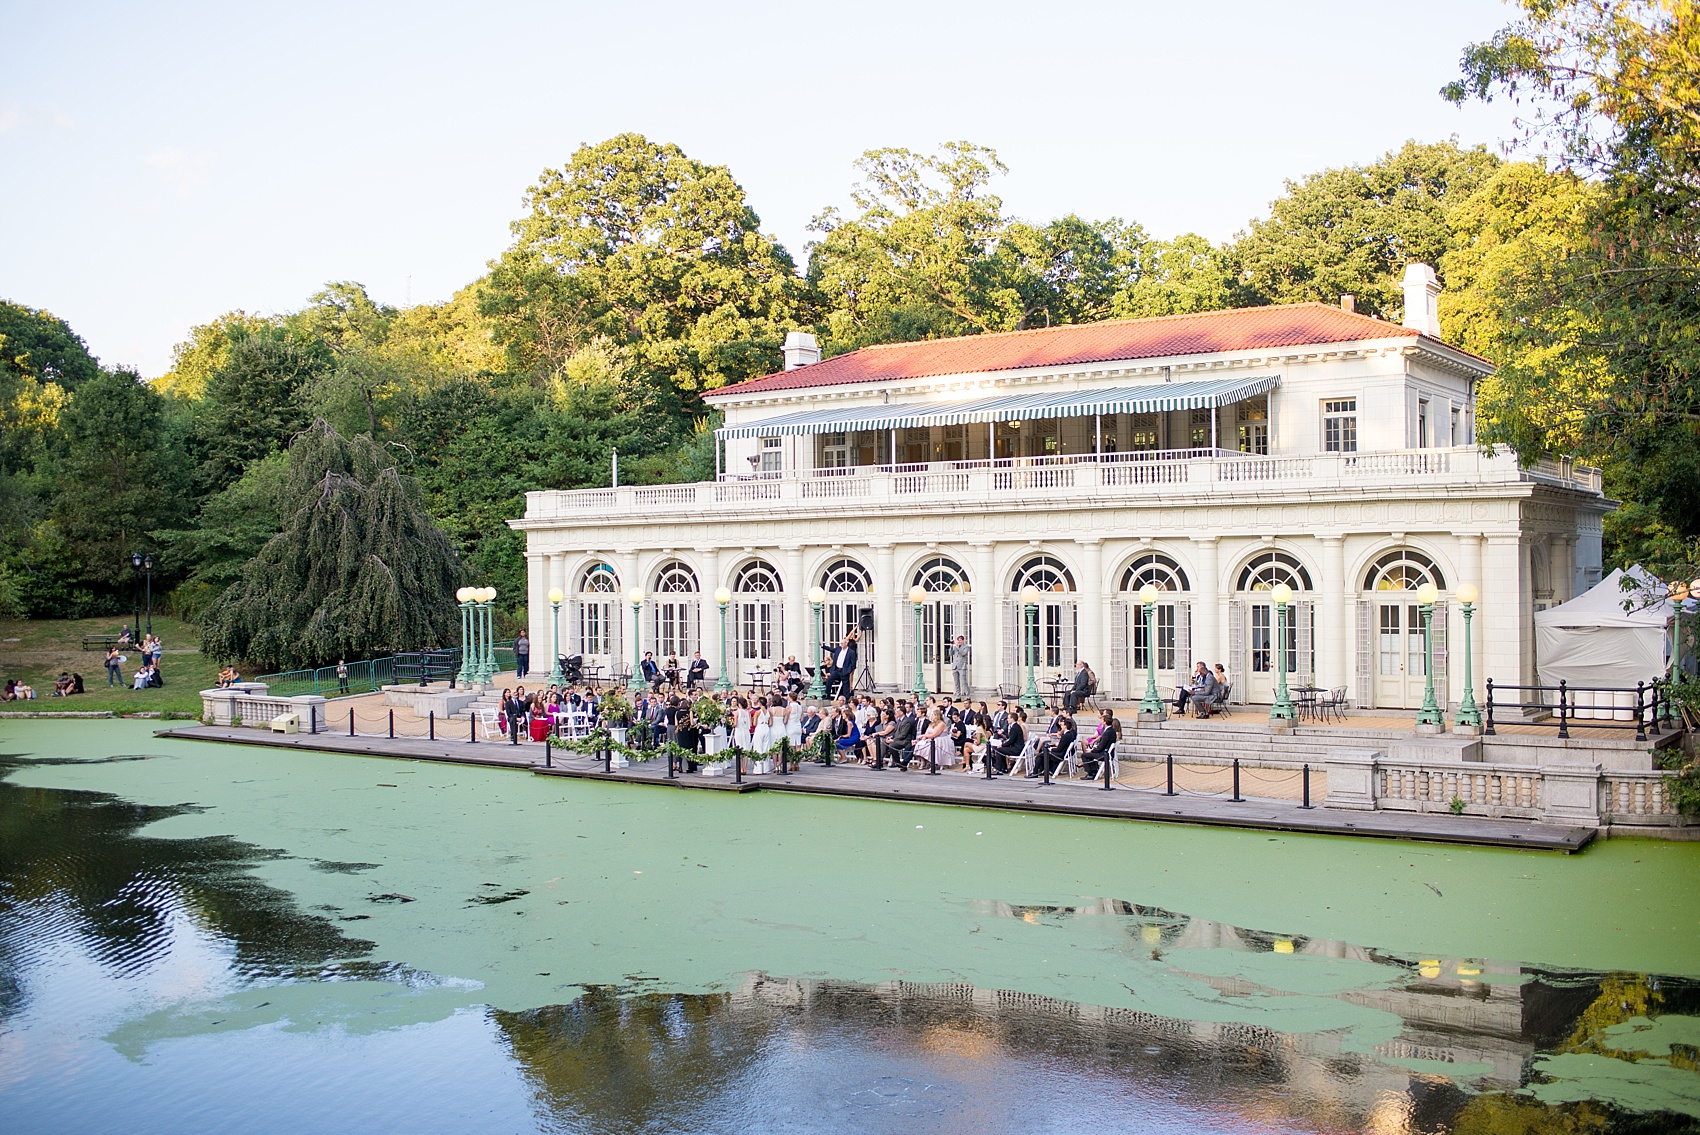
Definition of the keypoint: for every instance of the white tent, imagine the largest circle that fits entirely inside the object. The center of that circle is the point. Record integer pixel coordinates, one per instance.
(1593, 641)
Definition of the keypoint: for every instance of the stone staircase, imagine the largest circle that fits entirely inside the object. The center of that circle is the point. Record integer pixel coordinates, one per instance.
(1251, 741)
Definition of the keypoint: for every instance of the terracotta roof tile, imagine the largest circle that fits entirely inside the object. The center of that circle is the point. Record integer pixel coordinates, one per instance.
(1246, 328)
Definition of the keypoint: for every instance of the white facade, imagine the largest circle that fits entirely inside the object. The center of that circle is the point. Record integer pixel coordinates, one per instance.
(1349, 477)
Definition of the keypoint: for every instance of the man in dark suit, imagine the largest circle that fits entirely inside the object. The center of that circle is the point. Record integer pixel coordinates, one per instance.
(698, 671)
(1013, 740)
(902, 746)
(651, 672)
(1082, 688)
(843, 674)
(1109, 732)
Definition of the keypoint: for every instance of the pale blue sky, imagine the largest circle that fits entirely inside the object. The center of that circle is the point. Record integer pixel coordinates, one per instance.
(163, 163)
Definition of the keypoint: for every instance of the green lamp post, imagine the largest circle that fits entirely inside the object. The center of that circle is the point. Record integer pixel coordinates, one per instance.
(1430, 713)
(1283, 709)
(467, 637)
(918, 596)
(556, 678)
(1151, 706)
(1469, 716)
(817, 597)
(1030, 698)
(635, 598)
(489, 643)
(723, 597)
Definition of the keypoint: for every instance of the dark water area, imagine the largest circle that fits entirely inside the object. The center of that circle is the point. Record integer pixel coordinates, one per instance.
(151, 982)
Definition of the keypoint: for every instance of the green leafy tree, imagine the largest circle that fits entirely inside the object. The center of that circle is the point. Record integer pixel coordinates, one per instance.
(38, 345)
(231, 529)
(1178, 277)
(121, 475)
(358, 570)
(1353, 230)
(638, 243)
(194, 360)
(256, 400)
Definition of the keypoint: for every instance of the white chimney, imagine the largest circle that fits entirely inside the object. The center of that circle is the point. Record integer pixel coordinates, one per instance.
(1422, 300)
(800, 349)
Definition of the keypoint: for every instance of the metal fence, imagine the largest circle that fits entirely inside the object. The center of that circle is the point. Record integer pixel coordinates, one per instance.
(1564, 705)
(370, 675)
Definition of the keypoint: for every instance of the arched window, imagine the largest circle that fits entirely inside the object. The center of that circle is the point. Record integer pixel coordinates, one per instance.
(1403, 570)
(676, 578)
(1044, 573)
(942, 574)
(756, 578)
(1157, 569)
(846, 577)
(599, 579)
(1266, 569)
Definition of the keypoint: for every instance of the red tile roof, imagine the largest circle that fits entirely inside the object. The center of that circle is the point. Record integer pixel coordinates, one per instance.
(1239, 329)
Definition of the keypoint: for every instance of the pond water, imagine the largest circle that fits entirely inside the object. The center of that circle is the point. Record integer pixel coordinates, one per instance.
(199, 937)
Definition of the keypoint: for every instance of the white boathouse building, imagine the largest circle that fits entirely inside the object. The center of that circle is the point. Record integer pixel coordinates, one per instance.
(1213, 455)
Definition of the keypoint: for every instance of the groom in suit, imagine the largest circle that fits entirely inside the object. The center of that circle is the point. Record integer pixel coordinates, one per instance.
(842, 676)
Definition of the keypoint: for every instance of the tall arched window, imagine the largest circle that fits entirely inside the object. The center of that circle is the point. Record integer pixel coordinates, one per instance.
(1044, 573)
(756, 613)
(675, 606)
(598, 611)
(849, 588)
(1156, 569)
(1403, 570)
(1266, 569)
(942, 574)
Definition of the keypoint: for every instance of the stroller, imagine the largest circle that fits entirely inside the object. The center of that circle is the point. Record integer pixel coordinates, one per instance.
(572, 668)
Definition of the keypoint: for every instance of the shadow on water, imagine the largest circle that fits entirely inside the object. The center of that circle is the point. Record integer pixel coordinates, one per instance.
(1470, 1046)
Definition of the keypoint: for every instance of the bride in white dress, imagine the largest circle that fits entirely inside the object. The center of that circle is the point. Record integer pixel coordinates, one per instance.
(794, 722)
(743, 725)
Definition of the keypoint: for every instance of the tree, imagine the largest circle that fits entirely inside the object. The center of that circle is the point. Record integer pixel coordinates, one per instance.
(255, 401)
(230, 530)
(205, 351)
(1178, 277)
(1353, 230)
(636, 242)
(38, 345)
(121, 475)
(358, 570)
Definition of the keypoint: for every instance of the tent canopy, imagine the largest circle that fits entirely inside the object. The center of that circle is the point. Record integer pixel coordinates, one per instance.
(1593, 641)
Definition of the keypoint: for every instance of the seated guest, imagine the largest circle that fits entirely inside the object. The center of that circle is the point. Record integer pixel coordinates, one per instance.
(1009, 745)
(1054, 748)
(880, 738)
(228, 677)
(1184, 690)
(10, 693)
(77, 683)
(697, 671)
(1082, 687)
(1109, 733)
(811, 724)
(650, 671)
(142, 680)
(688, 737)
(1204, 694)
(1221, 695)
(901, 747)
(849, 737)
(61, 685)
(933, 746)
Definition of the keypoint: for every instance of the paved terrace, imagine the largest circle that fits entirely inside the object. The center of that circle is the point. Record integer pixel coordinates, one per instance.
(1270, 797)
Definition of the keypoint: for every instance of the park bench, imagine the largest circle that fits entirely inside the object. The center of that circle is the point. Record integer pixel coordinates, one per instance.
(100, 642)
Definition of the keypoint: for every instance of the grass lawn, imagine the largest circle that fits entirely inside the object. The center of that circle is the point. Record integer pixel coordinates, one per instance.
(36, 650)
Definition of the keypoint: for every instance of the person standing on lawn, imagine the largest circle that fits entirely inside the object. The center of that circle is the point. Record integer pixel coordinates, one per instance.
(113, 661)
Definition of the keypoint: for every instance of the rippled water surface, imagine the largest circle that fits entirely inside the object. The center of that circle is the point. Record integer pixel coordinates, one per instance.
(199, 938)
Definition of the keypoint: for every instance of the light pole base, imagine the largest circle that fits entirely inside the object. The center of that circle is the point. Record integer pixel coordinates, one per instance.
(1466, 730)
(1152, 717)
(1279, 723)
(1430, 728)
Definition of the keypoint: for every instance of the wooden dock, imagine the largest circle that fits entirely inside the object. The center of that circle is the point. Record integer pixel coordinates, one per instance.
(956, 788)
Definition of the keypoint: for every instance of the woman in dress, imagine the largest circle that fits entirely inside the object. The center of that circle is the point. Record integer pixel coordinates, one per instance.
(743, 725)
(935, 742)
(794, 721)
(761, 731)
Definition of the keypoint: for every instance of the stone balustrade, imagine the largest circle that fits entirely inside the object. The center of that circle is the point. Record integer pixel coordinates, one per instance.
(248, 703)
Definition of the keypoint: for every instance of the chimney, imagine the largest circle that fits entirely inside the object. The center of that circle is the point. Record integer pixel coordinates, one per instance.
(800, 349)
(1348, 302)
(1422, 300)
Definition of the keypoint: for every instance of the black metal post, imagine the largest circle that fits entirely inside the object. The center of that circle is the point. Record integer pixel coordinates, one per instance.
(471, 726)
(1171, 764)
(1045, 771)
(738, 765)
(1488, 730)
(1236, 798)
(986, 759)
(351, 721)
(548, 753)
(826, 762)
(1563, 709)
(1306, 803)
(313, 720)
(932, 758)
(431, 715)
(1108, 787)
(392, 725)
(1640, 709)
(147, 564)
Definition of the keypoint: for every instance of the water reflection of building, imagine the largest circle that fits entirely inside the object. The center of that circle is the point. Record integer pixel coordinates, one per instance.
(640, 1059)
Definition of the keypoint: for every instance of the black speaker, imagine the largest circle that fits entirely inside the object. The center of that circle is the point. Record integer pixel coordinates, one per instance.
(865, 619)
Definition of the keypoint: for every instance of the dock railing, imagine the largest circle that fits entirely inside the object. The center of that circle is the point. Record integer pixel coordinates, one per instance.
(1595, 707)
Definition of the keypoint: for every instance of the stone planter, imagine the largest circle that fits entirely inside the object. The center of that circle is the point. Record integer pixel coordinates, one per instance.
(618, 732)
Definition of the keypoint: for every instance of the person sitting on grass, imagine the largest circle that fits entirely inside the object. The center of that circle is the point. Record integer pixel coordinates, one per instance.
(24, 692)
(77, 683)
(61, 685)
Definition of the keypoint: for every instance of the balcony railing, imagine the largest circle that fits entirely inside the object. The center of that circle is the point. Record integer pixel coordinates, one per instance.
(1073, 478)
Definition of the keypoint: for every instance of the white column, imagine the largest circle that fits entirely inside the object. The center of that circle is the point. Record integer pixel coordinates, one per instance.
(1207, 643)
(988, 647)
(709, 559)
(888, 630)
(537, 602)
(1334, 646)
(797, 611)
(630, 578)
(557, 628)
(1090, 643)
(1500, 619)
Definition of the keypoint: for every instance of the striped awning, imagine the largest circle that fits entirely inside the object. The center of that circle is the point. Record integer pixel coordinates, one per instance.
(1149, 398)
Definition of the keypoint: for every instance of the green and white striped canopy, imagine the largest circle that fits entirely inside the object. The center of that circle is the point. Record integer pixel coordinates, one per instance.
(1150, 398)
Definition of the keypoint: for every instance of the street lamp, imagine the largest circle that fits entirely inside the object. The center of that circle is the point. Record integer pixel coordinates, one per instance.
(136, 596)
(634, 596)
(817, 596)
(1468, 715)
(1430, 713)
(723, 596)
(1030, 646)
(483, 615)
(1283, 709)
(918, 596)
(1151, 707)
(556, 678)
(468, 636)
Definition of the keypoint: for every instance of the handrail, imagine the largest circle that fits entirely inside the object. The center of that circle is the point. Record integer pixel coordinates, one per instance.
(1646, 714)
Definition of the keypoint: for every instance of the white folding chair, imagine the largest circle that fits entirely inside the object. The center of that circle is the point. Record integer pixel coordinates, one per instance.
(492, 721)
(1070, 763)
(1023, 764)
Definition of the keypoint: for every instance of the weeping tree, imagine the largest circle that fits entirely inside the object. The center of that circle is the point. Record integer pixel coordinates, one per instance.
(358, 571)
